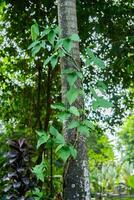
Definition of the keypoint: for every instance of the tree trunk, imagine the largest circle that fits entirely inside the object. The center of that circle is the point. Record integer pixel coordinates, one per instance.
(76, 173)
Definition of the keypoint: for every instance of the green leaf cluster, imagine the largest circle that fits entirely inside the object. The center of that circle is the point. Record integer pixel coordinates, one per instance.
(39, 170)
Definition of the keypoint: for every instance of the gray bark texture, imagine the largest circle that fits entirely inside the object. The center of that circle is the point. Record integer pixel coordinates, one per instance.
(76, 173)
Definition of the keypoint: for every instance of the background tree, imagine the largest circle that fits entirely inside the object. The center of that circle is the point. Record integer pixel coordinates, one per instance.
(126, 139)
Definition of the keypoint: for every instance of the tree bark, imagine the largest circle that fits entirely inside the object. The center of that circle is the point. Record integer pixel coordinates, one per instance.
(76, 173)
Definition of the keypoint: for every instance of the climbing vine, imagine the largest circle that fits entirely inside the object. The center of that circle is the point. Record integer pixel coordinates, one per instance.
(57, 48)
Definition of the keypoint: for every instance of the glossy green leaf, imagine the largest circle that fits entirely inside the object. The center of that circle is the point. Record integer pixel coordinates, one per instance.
(101, 102)
(43, 44)
(84, 130)
(74, 111)
(45, 32)
(33, 44)
(90, 53)
(59, 44)
(59, 147)
(73, 152)
(61, 53)
(92, 90)
(39, 170)
(59, 139)
(72, 95)
(79, 74)
(43, 138)
(40, 133)
(64, 153)
(51, 37)
(34, 31)
(89, 124)
(95, 105)
(99, 63)
(73, 124)
(46, 61)
(58, 106)
(67, 44)
(57, 30)
(102, 85)
(75, 37)
(68, 71)
(38, 195)
(53, 131)
(35, 50)
(71, 78)
(81, 92)
(63, 116)
(89, 61)
(53, 61)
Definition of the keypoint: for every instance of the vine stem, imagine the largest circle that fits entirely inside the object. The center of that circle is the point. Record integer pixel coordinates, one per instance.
(75, 66)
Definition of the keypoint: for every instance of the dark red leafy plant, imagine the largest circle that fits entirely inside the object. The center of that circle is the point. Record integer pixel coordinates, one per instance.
(19, 179)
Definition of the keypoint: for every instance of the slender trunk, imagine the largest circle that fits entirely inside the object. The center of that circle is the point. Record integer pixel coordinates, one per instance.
(76, 174)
